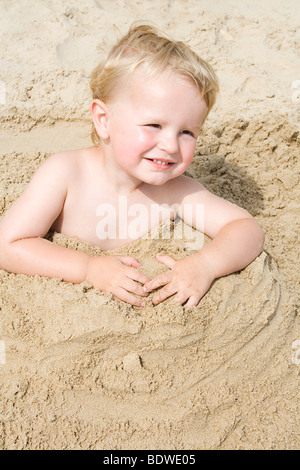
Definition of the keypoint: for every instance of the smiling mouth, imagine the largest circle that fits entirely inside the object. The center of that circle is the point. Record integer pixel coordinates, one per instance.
(163, 163)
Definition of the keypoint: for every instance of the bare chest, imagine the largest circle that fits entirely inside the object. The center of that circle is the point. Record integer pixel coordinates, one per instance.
(108, 220)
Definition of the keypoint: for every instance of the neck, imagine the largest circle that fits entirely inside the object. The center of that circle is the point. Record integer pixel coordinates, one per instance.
(118, 179)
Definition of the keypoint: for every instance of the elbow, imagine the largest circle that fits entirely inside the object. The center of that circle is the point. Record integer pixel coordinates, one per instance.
(5, 254)
(253, 235)
(258, 236)
(4, 257)
(4, 247)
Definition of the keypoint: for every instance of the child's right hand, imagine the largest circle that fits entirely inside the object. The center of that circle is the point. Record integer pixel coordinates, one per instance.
(119, 276)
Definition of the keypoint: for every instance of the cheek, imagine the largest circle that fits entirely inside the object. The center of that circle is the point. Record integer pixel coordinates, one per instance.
(130, 143)
(144, 137)
(189, 153)
(138, 142)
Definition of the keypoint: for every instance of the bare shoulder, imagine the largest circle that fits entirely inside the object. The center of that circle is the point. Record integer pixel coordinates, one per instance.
(55, 176)
(43, 199)
(63, 167)
(65, 160)
(180, 188)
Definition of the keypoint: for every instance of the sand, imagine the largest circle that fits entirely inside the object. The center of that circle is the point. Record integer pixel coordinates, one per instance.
(82, 370)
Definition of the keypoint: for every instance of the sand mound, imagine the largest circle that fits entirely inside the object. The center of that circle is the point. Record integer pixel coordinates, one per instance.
(97, 372)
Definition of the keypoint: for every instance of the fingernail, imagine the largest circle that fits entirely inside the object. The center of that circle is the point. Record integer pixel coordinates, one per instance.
(143, 304)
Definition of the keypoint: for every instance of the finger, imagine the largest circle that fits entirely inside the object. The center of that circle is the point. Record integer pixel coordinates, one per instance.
(158, 281)
(193, 301)
(134, 287)
(137, 276)
(130, 261)
(125, 296)
(163, 294)
(180, 298)
(167, 260)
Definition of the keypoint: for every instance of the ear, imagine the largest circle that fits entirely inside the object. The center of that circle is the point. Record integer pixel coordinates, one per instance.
(100, 118)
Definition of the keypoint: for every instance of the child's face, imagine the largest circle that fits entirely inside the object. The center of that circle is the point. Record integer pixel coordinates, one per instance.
(153, 127)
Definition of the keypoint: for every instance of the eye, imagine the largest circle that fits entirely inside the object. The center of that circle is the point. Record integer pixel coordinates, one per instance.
(187, 132)
(156, 126)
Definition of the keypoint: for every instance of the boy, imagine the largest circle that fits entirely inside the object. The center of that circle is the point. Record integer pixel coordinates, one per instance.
(150, 98)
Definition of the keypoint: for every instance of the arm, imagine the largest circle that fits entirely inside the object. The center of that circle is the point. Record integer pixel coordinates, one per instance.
(23, 250)
(235, 246)
(236, 237)
(237, 240)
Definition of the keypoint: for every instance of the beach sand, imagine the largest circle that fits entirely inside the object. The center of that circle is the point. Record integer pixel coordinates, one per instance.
(82, 370)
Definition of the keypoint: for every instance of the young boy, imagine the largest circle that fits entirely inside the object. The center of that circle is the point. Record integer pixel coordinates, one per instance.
(150, 98)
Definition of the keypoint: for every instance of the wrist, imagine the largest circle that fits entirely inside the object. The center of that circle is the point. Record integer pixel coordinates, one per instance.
(90, 268)
(205, 259)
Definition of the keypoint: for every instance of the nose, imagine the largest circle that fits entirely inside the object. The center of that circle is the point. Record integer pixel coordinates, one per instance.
(168, 143)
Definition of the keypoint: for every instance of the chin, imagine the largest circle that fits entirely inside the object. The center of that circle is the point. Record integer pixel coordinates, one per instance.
(157, 182)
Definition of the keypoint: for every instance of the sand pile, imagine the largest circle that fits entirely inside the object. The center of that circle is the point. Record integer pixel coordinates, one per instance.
(81, 370)
(85, 370)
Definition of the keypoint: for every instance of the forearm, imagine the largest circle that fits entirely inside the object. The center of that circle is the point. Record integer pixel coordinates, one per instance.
(234, 247)
(39, 256)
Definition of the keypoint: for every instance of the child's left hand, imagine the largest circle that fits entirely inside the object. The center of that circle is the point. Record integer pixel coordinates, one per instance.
(189, 278)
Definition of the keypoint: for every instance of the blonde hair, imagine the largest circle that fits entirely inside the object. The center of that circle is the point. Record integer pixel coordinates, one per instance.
(145, 45)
